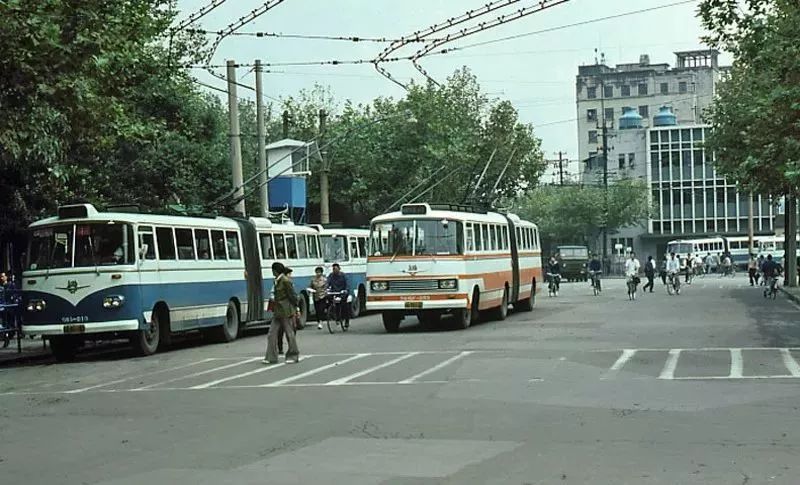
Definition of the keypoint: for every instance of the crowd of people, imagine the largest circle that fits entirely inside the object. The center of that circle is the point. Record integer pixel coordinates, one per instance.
(286, 310)
(9, 308)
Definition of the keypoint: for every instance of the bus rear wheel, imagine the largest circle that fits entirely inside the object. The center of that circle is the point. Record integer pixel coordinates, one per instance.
(391, 321)
(64, 348)
(526, 305)
(145, 342)
(501, 312)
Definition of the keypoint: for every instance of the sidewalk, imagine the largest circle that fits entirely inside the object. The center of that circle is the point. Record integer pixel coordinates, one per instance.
(31, 350)
(791, 293)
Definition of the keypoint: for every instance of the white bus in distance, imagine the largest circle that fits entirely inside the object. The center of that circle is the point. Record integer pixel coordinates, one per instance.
(434, 259)
(95, 275)
(348, 247)
(703, 246)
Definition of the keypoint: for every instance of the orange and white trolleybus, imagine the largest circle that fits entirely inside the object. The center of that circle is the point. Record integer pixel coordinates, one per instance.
(430, 260)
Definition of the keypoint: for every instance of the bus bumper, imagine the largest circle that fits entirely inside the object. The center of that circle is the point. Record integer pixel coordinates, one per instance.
(416, 305)
(82, 328)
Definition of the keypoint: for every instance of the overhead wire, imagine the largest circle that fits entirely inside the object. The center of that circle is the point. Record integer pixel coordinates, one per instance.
(344, 38)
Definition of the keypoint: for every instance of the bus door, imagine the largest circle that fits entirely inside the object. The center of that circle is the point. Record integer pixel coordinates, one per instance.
(148, 272)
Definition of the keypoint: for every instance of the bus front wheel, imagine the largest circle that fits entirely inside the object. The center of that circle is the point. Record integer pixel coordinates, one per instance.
(391, 321)
(229, 330)
(145, 342)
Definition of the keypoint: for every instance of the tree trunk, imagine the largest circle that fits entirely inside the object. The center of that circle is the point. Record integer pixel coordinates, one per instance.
(790, 243)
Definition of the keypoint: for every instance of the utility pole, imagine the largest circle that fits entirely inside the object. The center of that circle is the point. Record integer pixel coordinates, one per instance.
(790, 243)
(262, 150)
(286, 124)
(235, 138)
(560, 170)
(324, 194)
(750, 228)
(605, 170)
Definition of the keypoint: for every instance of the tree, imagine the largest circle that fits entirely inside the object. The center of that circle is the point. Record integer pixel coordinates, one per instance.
(573, 214)
(756, 115)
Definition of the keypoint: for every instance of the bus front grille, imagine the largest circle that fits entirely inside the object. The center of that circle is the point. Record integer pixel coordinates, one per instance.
(414, 285)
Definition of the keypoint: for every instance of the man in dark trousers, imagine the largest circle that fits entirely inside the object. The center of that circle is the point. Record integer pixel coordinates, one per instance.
(285, 308)
(650, 273)
(337, 282)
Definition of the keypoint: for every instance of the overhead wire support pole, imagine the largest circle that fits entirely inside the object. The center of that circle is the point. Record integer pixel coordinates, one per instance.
(262, 149)
(235, 138)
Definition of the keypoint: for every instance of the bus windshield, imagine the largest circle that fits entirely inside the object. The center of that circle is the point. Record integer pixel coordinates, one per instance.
(576, 253)
(679, 248)
(416, 237)
(81, 245)
(334, 248)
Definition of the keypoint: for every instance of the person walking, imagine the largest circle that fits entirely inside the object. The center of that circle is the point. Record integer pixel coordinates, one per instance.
(319, 283)
(287, 271)
(285, 309)
(650, 273)
(752, 268)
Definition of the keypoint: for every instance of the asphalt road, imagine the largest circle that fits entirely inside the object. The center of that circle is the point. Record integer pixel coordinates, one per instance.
(699, 388)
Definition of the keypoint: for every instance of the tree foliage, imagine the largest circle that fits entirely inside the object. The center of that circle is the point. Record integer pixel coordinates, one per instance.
(756, 114)
(575, 214)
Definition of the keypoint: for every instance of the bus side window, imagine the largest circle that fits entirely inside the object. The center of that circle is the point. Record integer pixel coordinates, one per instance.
(218, 245)
(362, 246)
(232, 238)
(518, 232)
(302, 251)
(267, 250)
(280, 246)
(203, 243)
(354, 248)
(313, 247)
(146, 237)
(166, 243)
(470, 237)
(486, 241)
(478, 239)
(506, 246)
(185, 242)
(291, 246)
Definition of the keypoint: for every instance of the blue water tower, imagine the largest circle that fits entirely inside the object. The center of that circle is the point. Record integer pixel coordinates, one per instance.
(665, 117)
(288, 162)
(630, 119)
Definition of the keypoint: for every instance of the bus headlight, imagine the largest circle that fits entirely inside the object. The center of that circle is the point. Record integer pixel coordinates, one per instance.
(113, 301)
(451, 284)
(379, 285)
(36, 305)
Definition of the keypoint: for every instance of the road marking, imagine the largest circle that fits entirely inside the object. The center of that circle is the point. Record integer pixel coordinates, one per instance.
(207, 371)
(729, 378)
(621, 361)
(737, 364)
(668, 372)
(435, 368)
(117, 381)
(790, 363)
(344, 380)
(314, 371)
(206, 385)
(696, 349)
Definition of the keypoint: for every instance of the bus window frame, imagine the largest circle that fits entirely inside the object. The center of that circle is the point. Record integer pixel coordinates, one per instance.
(177, 248)
(195, 231)
(171, 231)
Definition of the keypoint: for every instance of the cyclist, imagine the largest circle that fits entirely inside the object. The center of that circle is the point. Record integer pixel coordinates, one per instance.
(554, 269)
(337, 283)
(673, 267)
(698, 264)
(595, 267)
(632, 266)
(771, 271)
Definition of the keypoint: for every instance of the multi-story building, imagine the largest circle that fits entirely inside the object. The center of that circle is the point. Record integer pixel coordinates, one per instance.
(603, 91)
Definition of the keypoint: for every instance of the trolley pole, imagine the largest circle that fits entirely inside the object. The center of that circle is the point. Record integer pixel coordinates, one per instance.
(262, 151)
(235, 139)
(324, 185)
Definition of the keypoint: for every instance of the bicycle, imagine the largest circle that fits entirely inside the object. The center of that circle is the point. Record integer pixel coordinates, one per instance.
(674, 284)
(728, 271)
(335, 308)
(553, 283)
(771, 291)
(689, 276)
(595, 277)
(632, 283)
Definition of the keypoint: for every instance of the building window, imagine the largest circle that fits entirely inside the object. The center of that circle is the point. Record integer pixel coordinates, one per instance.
(592, 136)
(608, 91)
(591, 115)
(643, 90)
(591, 93)
(609, 114)
(664, 88)
(644, 111)
(625, 90)
(682, 87)
(631, 160)
(622, 161)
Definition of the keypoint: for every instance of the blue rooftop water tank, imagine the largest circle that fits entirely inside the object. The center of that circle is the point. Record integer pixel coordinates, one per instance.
(665, 117)
(630, 119)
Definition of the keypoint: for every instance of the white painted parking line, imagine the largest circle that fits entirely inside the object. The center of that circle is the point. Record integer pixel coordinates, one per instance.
(619, 363)
(737, 364)
(346, 379)
(668, 372)
(791, 365)
(313, 371)
(435, 368)
(117, 381)
(265, 368)
(196, 374)
(729, 378)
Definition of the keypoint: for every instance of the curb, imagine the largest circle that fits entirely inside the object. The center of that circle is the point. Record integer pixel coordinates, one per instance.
(789, 295)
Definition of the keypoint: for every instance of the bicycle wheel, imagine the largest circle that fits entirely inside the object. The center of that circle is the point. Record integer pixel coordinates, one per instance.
(330, 319)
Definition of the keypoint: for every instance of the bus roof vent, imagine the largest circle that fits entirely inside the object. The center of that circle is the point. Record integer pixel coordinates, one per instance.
(76, 211)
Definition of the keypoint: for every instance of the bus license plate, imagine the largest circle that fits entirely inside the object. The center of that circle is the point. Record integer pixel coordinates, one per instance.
(413, 304)
(74, 328)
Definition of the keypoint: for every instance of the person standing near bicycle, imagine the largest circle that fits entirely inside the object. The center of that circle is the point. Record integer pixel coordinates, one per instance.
(595, 269)
(673, 269)
(337, 283)
(319, 283)
(650, 273)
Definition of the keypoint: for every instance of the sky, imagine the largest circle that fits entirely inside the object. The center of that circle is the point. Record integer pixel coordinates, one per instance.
(535, 72)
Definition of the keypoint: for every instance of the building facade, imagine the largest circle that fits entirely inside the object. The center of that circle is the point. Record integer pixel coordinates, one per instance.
(602, 92)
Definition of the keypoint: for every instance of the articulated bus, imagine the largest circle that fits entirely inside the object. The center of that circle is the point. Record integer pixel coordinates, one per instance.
(348, 248)
(683, 247)
(428, 260)
(739, 247)
(774, 245)
(96, 275)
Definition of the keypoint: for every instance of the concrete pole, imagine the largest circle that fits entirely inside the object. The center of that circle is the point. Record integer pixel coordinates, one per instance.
(235, 138)
(262, 150)
(790, 243)
(750, 226)
(324, 187)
